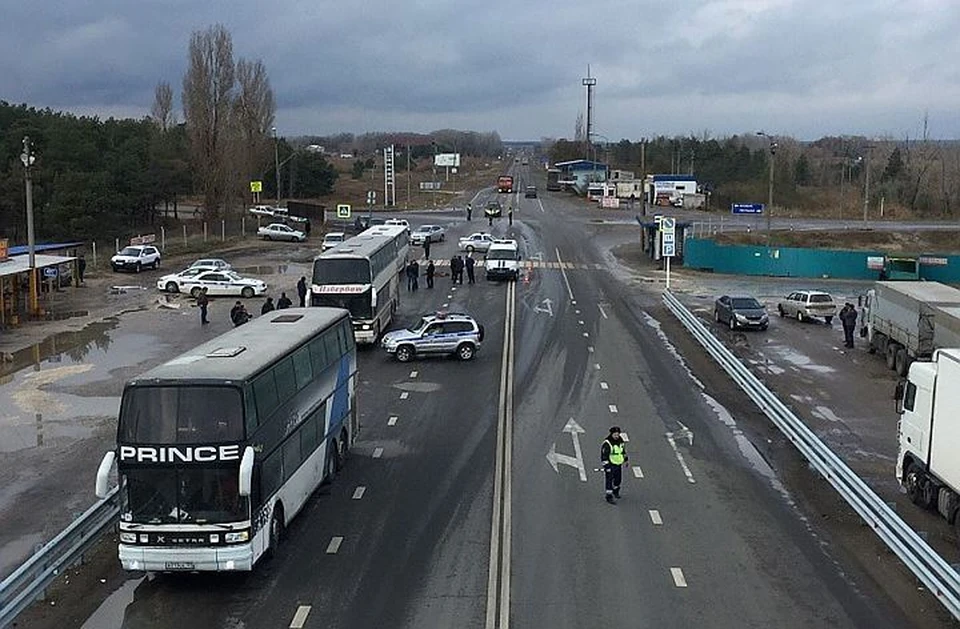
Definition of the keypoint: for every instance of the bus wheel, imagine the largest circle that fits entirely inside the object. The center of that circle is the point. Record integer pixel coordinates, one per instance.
(276, 530)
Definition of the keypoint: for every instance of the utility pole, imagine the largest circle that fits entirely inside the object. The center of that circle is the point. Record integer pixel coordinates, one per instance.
(407, 206)
(866, 183)
(276, 160)
(28, 158)
(773, 152)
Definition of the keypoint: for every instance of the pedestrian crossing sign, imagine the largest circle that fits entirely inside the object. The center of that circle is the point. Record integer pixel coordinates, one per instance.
(343, 210)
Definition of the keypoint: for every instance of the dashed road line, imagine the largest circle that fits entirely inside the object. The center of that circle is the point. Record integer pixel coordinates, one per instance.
(358, 492)
(597, 366)
(655, 517)
(334, 545)
(613, 408)
(377, 453)
(446, 305)
(590, 348)
(580, 321)
(678, 579)
(637, 472)
(392, 421)
(300, 617)
(577, 311)
(404, 395)
(604, 386)
(566, 280)
(414, 374)
(586, 335)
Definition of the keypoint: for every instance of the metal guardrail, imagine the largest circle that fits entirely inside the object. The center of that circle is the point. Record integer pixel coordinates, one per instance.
(929, 567)
(32, 578)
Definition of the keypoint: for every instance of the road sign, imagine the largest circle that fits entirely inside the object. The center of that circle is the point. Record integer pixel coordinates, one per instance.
(669, 237)
(746, 208)
(343, 210)
(668, 225)
(256, 186)
(669, 249)
(372, 197)
(50, 271)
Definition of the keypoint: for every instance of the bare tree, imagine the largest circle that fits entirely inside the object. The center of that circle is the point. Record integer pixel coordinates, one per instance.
(208, 88)
(162, 111)
(254, 111)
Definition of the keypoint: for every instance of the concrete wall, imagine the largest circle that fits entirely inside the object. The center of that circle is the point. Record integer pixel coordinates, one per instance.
(706, 255)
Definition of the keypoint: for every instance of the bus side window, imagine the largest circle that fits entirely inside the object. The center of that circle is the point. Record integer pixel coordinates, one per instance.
(318, 356)
(333, 345)
(271, 475)
(286, 381)
(265, 389)
(308, 432)
(302, 368)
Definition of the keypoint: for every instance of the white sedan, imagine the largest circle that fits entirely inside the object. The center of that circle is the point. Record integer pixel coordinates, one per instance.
(223, 283)
(424, 233)
(173, 282)
(476, 242)
(279, 231)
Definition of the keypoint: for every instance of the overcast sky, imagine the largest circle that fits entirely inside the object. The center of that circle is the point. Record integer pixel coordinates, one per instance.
(805, 68)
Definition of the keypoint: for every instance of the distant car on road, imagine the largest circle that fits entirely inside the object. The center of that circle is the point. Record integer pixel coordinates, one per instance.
(424, 233)
(445, 333)
(211, 263)
(172, 282)
(807, 304)
(530, 192)
(397, 221)
(494, 209)
(223, 283)
(740, 312)
(279, 231)
(478, 241)
(332, 239)
(136, 258)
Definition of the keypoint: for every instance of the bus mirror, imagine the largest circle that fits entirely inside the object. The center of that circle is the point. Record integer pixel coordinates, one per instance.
(103, 474)
(246, 471)
(373, 298)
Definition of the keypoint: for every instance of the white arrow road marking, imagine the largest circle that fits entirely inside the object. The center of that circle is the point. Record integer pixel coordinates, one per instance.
(547, 307)
(377, 453)
(576, 461)
(358, 492)
(300, 618)
(678, 579)
(655, 517)
(637, 472)
(676, 450)
(334, 545)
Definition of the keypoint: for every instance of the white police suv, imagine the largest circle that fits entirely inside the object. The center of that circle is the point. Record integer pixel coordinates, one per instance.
(444, 333)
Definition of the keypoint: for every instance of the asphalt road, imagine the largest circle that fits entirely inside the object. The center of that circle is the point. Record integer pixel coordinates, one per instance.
(454, 461)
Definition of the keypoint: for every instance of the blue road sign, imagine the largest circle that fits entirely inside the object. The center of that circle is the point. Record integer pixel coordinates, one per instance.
(746, 208)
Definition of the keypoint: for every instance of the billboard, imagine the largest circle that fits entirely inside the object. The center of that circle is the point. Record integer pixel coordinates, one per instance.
(447, 159)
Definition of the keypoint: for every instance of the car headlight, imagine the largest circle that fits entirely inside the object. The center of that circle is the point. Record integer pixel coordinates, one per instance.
(740, 317)
(365, 326)
(236, 537)
(128, 538)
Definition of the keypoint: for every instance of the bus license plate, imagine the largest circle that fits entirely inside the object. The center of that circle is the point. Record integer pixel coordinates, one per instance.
(179, 565)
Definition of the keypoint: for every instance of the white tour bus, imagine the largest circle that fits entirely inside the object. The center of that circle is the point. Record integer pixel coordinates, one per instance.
(362, 274)
(220, 447)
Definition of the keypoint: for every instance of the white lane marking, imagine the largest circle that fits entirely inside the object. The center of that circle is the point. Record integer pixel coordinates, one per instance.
(580, 321)
(604, 386)
(334, 545)
(597, 365)
(590, 348)
(624, 436)
(377, 453)
(602, 311)
(613, 408)
(450, 296)
(392, 421)
(446, 305)
(637, 472)
(414, 374)
(300, 618)
(655, 517)
(404, 395)
(586, 335)
(574, 302)
(683, 464)
(578, 312)
(358, 492)
(678, 579)
(565, 278)
(540, 203)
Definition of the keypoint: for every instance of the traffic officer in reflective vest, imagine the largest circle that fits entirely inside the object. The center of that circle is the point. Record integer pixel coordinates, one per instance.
(613, 455)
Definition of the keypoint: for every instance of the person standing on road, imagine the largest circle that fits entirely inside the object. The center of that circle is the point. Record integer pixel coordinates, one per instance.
(426, 249)
(470, 277)
(613, 456)
(415, 275)
(203, 302)
(267, 306)
(81, 267)
(431, 271)
(409, 271)
(453, 269)
(469, 211)
(302, 291)
(284, 302)
(460, 266)
(848, 318)
(510, 214)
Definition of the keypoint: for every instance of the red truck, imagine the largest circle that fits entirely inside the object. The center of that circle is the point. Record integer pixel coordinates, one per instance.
(505, 183)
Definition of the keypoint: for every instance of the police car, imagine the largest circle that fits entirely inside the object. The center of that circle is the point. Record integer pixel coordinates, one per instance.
(444, 333)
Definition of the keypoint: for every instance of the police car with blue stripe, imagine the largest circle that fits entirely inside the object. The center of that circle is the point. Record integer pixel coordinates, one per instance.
(444, 333)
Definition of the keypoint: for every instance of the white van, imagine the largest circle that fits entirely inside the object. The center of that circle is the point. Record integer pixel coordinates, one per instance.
(502, 261)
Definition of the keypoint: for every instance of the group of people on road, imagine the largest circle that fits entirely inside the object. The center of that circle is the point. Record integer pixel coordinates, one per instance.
(848, 319)
(458, 264)
(239, 313)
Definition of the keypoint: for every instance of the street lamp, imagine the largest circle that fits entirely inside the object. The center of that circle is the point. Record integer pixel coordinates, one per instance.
(28, 158)
(866, 182)
(276, 160)
(773, 151)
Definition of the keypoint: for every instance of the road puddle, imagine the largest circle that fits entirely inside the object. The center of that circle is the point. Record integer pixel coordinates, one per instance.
(112, 611)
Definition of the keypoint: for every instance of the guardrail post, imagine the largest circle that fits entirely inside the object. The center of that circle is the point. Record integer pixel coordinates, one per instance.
(184, 235)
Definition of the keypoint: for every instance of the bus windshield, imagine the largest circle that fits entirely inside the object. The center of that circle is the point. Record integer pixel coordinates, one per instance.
(360, 305)
(181, 414)
(165, 495)
(341, 271)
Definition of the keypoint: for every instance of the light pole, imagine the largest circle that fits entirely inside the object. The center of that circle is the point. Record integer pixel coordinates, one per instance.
(866, 182)
(773, 151)
(28, 158)
(276, 160)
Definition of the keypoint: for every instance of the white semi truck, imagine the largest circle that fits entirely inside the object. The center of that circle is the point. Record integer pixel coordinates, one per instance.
(929, 432)
(907, 321)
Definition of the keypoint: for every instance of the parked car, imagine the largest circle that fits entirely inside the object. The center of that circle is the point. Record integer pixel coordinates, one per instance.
(332, 239)
(530, 192)
(136, 258)
(279, 231)
(223, 283)
(211, 263)
(424, 233)
(397, 221)
(478, 241)
(173, 282)
(740, 312)
(440, 334)
(807, 304)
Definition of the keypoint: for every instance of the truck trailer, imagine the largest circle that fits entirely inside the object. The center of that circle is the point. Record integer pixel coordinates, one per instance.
(907, 321)
(928, 467)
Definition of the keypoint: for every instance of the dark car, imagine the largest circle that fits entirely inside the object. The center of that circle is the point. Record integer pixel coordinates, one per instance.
(494, 209)
(530, 192)
(741, 312)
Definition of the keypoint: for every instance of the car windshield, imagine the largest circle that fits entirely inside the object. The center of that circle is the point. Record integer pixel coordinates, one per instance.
(745, 303)
(180, 414)
(168, 495)
(821, 299)
(130, 251)
(420, 325)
